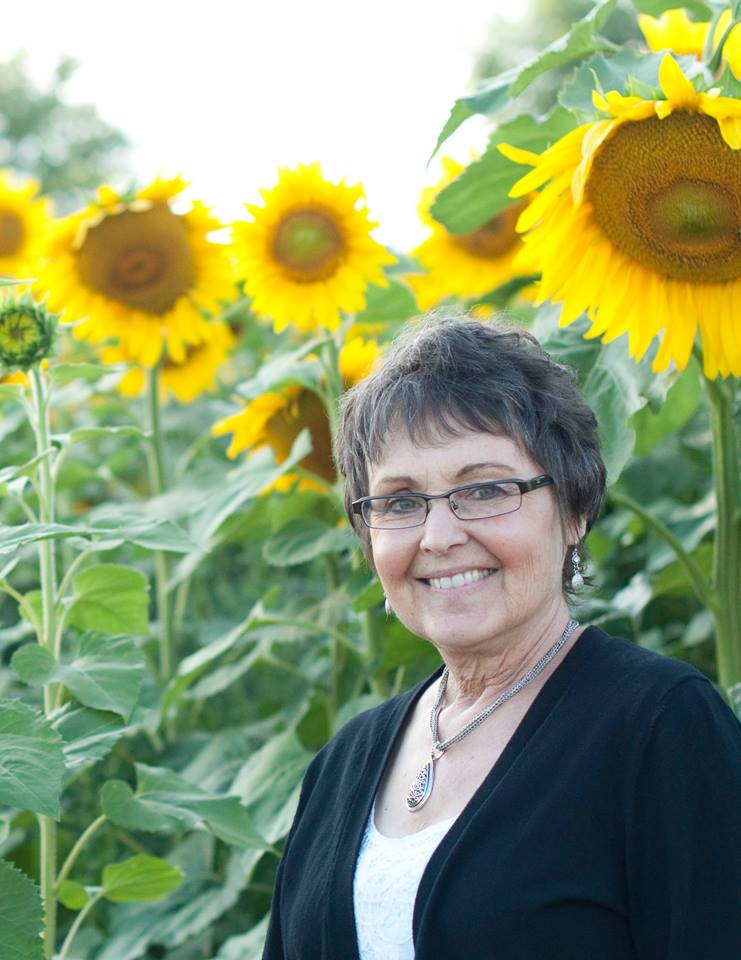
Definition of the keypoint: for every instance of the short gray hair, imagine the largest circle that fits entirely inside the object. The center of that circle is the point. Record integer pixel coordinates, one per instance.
(452, 374)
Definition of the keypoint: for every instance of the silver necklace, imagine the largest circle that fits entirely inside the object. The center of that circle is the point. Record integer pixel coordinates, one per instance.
(420, 791)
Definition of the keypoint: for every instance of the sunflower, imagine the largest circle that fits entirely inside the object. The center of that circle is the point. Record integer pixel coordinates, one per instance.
(276, 418)
(195, 375)
(134, 269)
(639, 222)
(24, 220)
(674, 31)
(468, 264)
(307, 255)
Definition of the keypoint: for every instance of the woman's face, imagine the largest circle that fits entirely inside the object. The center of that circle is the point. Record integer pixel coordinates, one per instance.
(517, 557)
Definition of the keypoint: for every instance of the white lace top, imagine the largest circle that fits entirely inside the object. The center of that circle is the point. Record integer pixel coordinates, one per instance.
(387, 876)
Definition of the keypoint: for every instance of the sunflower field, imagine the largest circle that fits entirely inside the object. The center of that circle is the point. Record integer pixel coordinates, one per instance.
(185, 613)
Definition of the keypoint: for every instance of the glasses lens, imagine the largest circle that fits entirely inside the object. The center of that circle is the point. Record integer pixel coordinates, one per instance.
(486, 500)
(400, 511)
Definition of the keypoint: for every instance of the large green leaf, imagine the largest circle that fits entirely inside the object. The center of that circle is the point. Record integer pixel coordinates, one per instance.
(682, 401)
(164, 802)
(285, 369)
(105, 533)
(21, 916)
(269, 783)
(31, 760)
(103, 672)
(140, 878)
(89, 735)
(304, 539)
(482, 190)
(204, 896)
(240, 485)
(110, 598)
(613, 384)
(496, 92)
(388, 305)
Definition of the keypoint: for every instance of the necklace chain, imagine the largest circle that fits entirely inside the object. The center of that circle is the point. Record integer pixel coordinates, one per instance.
(440, 747)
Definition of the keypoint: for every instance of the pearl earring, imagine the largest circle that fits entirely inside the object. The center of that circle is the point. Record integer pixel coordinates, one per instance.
(388, 608)
(577, 580)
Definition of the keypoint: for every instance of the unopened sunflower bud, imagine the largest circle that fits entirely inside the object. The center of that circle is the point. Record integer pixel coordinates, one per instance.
(27, 333)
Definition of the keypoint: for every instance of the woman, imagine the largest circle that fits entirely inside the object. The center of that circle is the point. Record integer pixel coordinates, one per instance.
(552, 792)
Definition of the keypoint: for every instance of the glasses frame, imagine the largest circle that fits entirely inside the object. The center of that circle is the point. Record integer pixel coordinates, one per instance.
(524, 486)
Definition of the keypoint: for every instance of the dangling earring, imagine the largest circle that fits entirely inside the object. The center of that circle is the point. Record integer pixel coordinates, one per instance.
(388, 608)
(577, 580)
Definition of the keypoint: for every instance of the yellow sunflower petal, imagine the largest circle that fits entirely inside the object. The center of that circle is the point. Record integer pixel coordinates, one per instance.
(677, 89)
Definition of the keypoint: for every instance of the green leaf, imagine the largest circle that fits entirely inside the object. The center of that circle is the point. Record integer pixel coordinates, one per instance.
(110, 598)
(495, 93)
(164, 802)
(81, 434)
(72, 895)
(104, 672)
(269, 781)
(681, 402)
(140, 878)
(304, 539)
(284, 370)
(62, 373)
(388, 305)
(21, 916)
(482, 190)
(89, 735)
(31, 760)
(28, 469)
(611, 73)
(102, 534)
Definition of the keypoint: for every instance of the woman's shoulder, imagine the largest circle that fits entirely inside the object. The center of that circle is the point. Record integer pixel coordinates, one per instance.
(641, 682)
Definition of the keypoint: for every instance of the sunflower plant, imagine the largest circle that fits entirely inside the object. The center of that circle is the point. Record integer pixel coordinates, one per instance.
(632, 222)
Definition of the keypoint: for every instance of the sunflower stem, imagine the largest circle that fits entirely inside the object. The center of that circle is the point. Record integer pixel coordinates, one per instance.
(727, 552)
(45, 486)
(695, 575)
(158, 485)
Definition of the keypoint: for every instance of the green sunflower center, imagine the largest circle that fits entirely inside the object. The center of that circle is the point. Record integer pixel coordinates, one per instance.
(308, 243)
(495, 238)
(140, 258)
(26, 334)
(668, 194)
(11, 233)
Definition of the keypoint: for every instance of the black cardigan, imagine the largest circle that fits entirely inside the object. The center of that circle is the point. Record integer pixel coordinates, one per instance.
(608, 829)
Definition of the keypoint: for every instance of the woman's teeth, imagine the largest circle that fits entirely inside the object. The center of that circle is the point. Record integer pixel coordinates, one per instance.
(459, 579)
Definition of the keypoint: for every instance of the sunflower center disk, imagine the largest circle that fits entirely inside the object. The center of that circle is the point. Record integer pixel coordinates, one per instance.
(495, 238)
(668, 194)
(309, 245)
(11, 233)
(140, 258)
(306, 410)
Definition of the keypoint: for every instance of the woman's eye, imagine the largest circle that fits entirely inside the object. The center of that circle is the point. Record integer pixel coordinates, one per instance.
(487, 491)
(402, 505)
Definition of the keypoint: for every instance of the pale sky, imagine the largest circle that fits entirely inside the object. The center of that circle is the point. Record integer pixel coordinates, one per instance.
(230, 91)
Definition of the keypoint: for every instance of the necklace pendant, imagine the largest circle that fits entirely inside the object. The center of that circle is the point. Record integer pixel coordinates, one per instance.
(422, 787)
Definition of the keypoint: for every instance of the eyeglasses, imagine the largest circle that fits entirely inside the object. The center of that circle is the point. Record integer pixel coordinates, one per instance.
(472, 501)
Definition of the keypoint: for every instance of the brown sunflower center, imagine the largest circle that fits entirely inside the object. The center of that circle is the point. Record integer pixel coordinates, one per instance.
(308, 244)
(495, 238)
(141, 258)
(305, 410)
(11, 233)
(668, 194)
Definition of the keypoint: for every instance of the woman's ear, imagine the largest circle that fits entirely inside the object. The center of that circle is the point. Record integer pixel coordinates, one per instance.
(577, 531)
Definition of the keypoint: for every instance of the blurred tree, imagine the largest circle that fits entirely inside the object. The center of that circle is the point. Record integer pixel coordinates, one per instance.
(67, 146)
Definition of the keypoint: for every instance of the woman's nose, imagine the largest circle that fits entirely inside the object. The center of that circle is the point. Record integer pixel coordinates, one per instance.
(442, 528)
